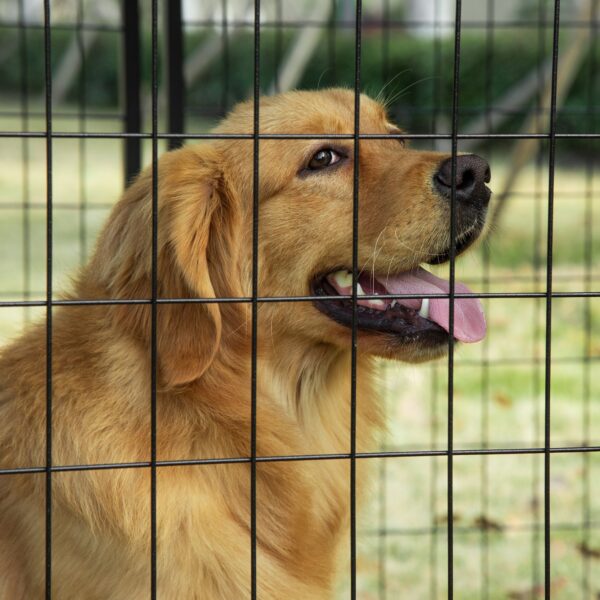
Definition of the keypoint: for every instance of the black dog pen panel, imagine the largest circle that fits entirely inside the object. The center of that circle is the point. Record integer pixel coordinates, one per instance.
(485, 476)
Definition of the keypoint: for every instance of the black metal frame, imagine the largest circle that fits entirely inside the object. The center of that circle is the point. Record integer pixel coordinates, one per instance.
(133, 136)
(132, 85)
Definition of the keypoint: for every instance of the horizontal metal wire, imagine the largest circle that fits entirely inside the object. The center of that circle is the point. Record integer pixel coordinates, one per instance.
(299, 24)
(63, 26)
(55, 206)
(567, 113)
(398, 24)
(525, 361)
(295, 136)
(510, 444)
(534, 278)
(108, 205)
(64, 115)
(504, 527)
(118, 301)
(217, 110)
(303, 457)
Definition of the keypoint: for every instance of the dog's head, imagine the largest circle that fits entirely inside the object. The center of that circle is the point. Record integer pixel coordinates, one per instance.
(305, 234)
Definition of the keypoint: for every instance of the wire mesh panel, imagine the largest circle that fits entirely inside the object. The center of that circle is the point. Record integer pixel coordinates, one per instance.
(484, 481)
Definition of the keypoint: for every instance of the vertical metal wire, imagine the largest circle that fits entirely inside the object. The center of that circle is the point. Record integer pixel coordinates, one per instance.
(175, 78)
(354, 349)
(154, 306)
(548, 357)
(49, 250)
(278, 43)
(450, 491)
(81, 110)
(26, 197)
(132, 74)
(537, 306)
(255, 215)
(225, 54)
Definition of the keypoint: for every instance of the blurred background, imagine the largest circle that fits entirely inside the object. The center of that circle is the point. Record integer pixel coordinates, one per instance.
(102, 85)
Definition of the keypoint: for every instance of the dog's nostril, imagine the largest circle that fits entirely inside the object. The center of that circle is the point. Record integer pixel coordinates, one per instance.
(466, 181)
(471, 174)
(441, 181)
(443, 175)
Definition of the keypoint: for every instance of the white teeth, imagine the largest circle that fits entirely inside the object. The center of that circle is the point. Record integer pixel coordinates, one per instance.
(394, 303)
(379, 303)
(424, 311)
(343, 278)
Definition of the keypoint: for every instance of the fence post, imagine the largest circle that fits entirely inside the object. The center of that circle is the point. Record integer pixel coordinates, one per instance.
(131, 86)
(175, 80)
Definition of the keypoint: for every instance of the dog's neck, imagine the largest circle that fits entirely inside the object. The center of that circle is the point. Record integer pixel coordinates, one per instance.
(312, 385)
(302, 375)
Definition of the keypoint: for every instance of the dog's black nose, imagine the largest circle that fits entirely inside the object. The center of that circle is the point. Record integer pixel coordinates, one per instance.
(472, 173)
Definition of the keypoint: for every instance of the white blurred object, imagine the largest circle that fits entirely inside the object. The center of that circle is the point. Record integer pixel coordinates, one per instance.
(305, 44)
(428, 13)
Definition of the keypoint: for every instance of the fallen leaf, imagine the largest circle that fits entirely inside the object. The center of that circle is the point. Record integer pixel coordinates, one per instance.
(443, 519)
(488, 524)
(588, 551)
(538, 591)
(503, 399)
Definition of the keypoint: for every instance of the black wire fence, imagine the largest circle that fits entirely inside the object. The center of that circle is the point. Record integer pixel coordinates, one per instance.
(486, 475)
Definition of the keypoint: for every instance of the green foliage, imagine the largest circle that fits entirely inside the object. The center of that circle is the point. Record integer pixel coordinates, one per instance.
(419, 71)
(534, 9)
(101, 65)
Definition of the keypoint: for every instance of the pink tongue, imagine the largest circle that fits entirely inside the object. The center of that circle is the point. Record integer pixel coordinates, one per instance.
(469, 320)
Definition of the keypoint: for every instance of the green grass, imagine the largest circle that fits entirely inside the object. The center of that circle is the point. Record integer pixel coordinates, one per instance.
(502, 404)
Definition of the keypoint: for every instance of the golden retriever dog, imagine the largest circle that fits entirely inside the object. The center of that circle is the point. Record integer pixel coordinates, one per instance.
(101, 360)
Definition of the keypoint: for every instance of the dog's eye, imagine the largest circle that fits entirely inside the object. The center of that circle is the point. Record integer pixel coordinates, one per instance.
(323, 158)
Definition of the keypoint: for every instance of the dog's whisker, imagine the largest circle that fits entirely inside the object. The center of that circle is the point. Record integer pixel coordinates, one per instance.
(321, 76)
(380, 96)
(376, 255)
(399, 93)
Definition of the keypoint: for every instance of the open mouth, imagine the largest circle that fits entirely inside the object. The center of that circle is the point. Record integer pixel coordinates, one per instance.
(420, 318)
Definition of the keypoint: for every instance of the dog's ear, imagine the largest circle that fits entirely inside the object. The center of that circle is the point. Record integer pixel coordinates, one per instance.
(199, 236)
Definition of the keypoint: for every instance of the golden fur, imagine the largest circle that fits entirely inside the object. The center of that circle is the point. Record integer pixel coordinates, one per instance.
(101, 369)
